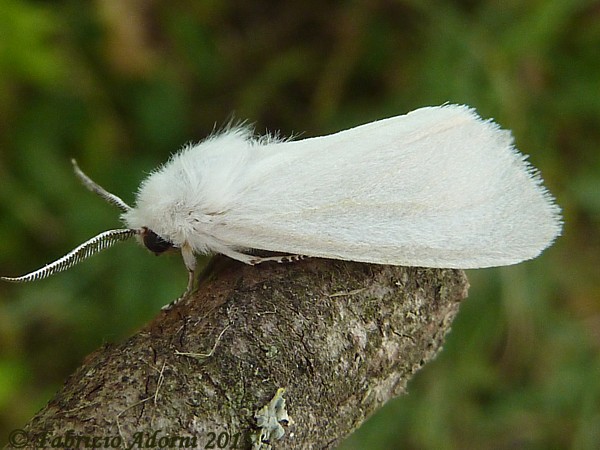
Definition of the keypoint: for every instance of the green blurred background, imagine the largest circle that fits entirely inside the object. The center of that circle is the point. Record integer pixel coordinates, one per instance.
(121, 84)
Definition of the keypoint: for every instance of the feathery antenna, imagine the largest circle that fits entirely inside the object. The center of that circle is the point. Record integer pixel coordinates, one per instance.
(84, 251)
(90, 247)
(97, 189)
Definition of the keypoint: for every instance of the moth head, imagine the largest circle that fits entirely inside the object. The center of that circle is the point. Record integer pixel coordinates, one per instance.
(154, 242)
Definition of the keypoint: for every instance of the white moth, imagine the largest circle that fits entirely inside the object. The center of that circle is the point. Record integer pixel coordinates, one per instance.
(437, 187)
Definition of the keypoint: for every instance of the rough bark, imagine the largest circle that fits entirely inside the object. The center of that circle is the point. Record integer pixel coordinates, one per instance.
(342, 338)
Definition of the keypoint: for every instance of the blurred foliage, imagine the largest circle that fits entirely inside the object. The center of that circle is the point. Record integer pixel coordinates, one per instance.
(121, 84)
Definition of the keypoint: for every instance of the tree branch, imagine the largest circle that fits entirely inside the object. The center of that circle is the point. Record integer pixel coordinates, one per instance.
(342, 338)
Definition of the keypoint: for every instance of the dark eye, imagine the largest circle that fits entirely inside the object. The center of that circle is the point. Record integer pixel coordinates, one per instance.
(155, 243)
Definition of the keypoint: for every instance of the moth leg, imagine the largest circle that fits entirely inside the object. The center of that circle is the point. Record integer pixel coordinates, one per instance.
(190, 263)
(253, 259)
(238, 256)
(279, 259)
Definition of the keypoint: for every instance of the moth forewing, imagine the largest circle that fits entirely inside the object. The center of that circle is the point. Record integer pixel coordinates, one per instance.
(438, 187)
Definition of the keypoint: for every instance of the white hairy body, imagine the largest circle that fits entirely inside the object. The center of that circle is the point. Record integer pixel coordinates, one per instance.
(438, 187)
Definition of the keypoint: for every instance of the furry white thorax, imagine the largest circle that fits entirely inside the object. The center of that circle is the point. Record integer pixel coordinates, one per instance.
(182, 200)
